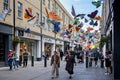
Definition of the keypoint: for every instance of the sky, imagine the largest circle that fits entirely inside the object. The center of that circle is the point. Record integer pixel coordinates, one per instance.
(81, 7)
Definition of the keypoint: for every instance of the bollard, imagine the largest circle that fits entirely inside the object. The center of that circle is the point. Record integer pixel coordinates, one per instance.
(86, 62)
(102, 63)
(32, 61)
(45, 62)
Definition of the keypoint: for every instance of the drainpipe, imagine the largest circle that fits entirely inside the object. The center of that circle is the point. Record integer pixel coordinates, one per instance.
(14, 21)
(45, 58)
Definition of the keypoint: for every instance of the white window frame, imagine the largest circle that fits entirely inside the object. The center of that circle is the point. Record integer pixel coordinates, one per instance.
(49, 4)
(6, 5)
(20, 11)
(44, 2)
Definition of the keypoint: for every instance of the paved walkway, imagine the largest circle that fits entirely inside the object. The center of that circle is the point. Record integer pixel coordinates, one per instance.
(39, 72)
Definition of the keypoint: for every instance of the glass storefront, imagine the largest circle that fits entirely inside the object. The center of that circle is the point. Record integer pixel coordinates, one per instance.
(2, 48)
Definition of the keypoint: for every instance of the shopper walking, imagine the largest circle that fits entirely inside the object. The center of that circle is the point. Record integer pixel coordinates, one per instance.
(10, 59)
(15, 61)
(55, 62)
(61, 54)
(25, 58)
(96, 57)
(70, 60)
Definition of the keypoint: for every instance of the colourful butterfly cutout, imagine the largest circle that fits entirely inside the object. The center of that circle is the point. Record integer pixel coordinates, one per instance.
(80, 25)
(56, 27)
(95, 24)
(91, 22)
(27, 30)
(73, 11)
(93, 14)
(96, 3)
(86, 20)
(80, 15)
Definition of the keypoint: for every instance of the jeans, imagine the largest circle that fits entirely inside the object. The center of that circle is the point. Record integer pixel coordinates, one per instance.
(10, 63)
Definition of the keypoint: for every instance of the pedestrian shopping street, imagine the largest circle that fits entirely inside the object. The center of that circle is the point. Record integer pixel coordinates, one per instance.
(31, 31)
(39, 72)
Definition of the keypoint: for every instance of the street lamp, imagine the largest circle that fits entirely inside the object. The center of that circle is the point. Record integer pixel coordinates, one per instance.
(32, 56)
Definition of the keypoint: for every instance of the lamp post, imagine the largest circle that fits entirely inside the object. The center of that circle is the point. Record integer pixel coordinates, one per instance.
(32, 56)
(45, 58)
(55, 40)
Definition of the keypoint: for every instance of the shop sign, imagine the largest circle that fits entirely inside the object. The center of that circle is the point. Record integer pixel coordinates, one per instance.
(32, 36)
(48, 40)
(60, 42)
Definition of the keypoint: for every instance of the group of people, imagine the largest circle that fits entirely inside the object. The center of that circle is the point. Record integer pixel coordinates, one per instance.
(13, 60)
(93, 55)
(105, 59)
(108, 62)
(55, 63)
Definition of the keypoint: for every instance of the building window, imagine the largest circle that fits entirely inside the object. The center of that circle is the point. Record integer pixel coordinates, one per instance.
(43, 1)
(49, 4)
(37, 18)
(6, 5)
(20, 33)
(56, 10)
(53, 6)
(19, 9)
(59, 13)
(43, 19)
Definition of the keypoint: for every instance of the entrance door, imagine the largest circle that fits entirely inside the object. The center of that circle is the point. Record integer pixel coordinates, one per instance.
(2, 48)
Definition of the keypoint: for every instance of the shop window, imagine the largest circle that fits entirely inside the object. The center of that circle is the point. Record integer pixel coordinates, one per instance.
(2, 48)
(20, 33)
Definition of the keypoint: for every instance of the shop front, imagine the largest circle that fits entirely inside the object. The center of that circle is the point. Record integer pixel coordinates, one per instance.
(60, 45)
(31, 42)
(48, 46)
(66, 46)
(5, 43)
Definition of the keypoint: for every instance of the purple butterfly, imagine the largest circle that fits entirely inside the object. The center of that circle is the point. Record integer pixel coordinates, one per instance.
(93, 14)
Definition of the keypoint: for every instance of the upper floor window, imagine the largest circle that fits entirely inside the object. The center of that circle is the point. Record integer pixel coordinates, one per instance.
(49, 4)
(53, 6)
(56, 10)
(37, 18)
(19, 9)
(6, 5)
(59, 13)
(43, 1)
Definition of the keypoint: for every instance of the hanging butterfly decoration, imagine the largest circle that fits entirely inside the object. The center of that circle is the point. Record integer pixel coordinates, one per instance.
(90, 29)
(29, 15)
(98, 18)
(42, 23)
(85, 20)
(95, 24)
(80, 15)
(96, 3)
(4, 14)
(68, 27)
(93, 14)
(80, 25)
(91, 22)
(56, 27)
(27, 30)
(76, 21)
(73, 11)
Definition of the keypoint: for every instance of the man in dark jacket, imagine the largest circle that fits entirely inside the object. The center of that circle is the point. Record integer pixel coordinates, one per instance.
(96, 57)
